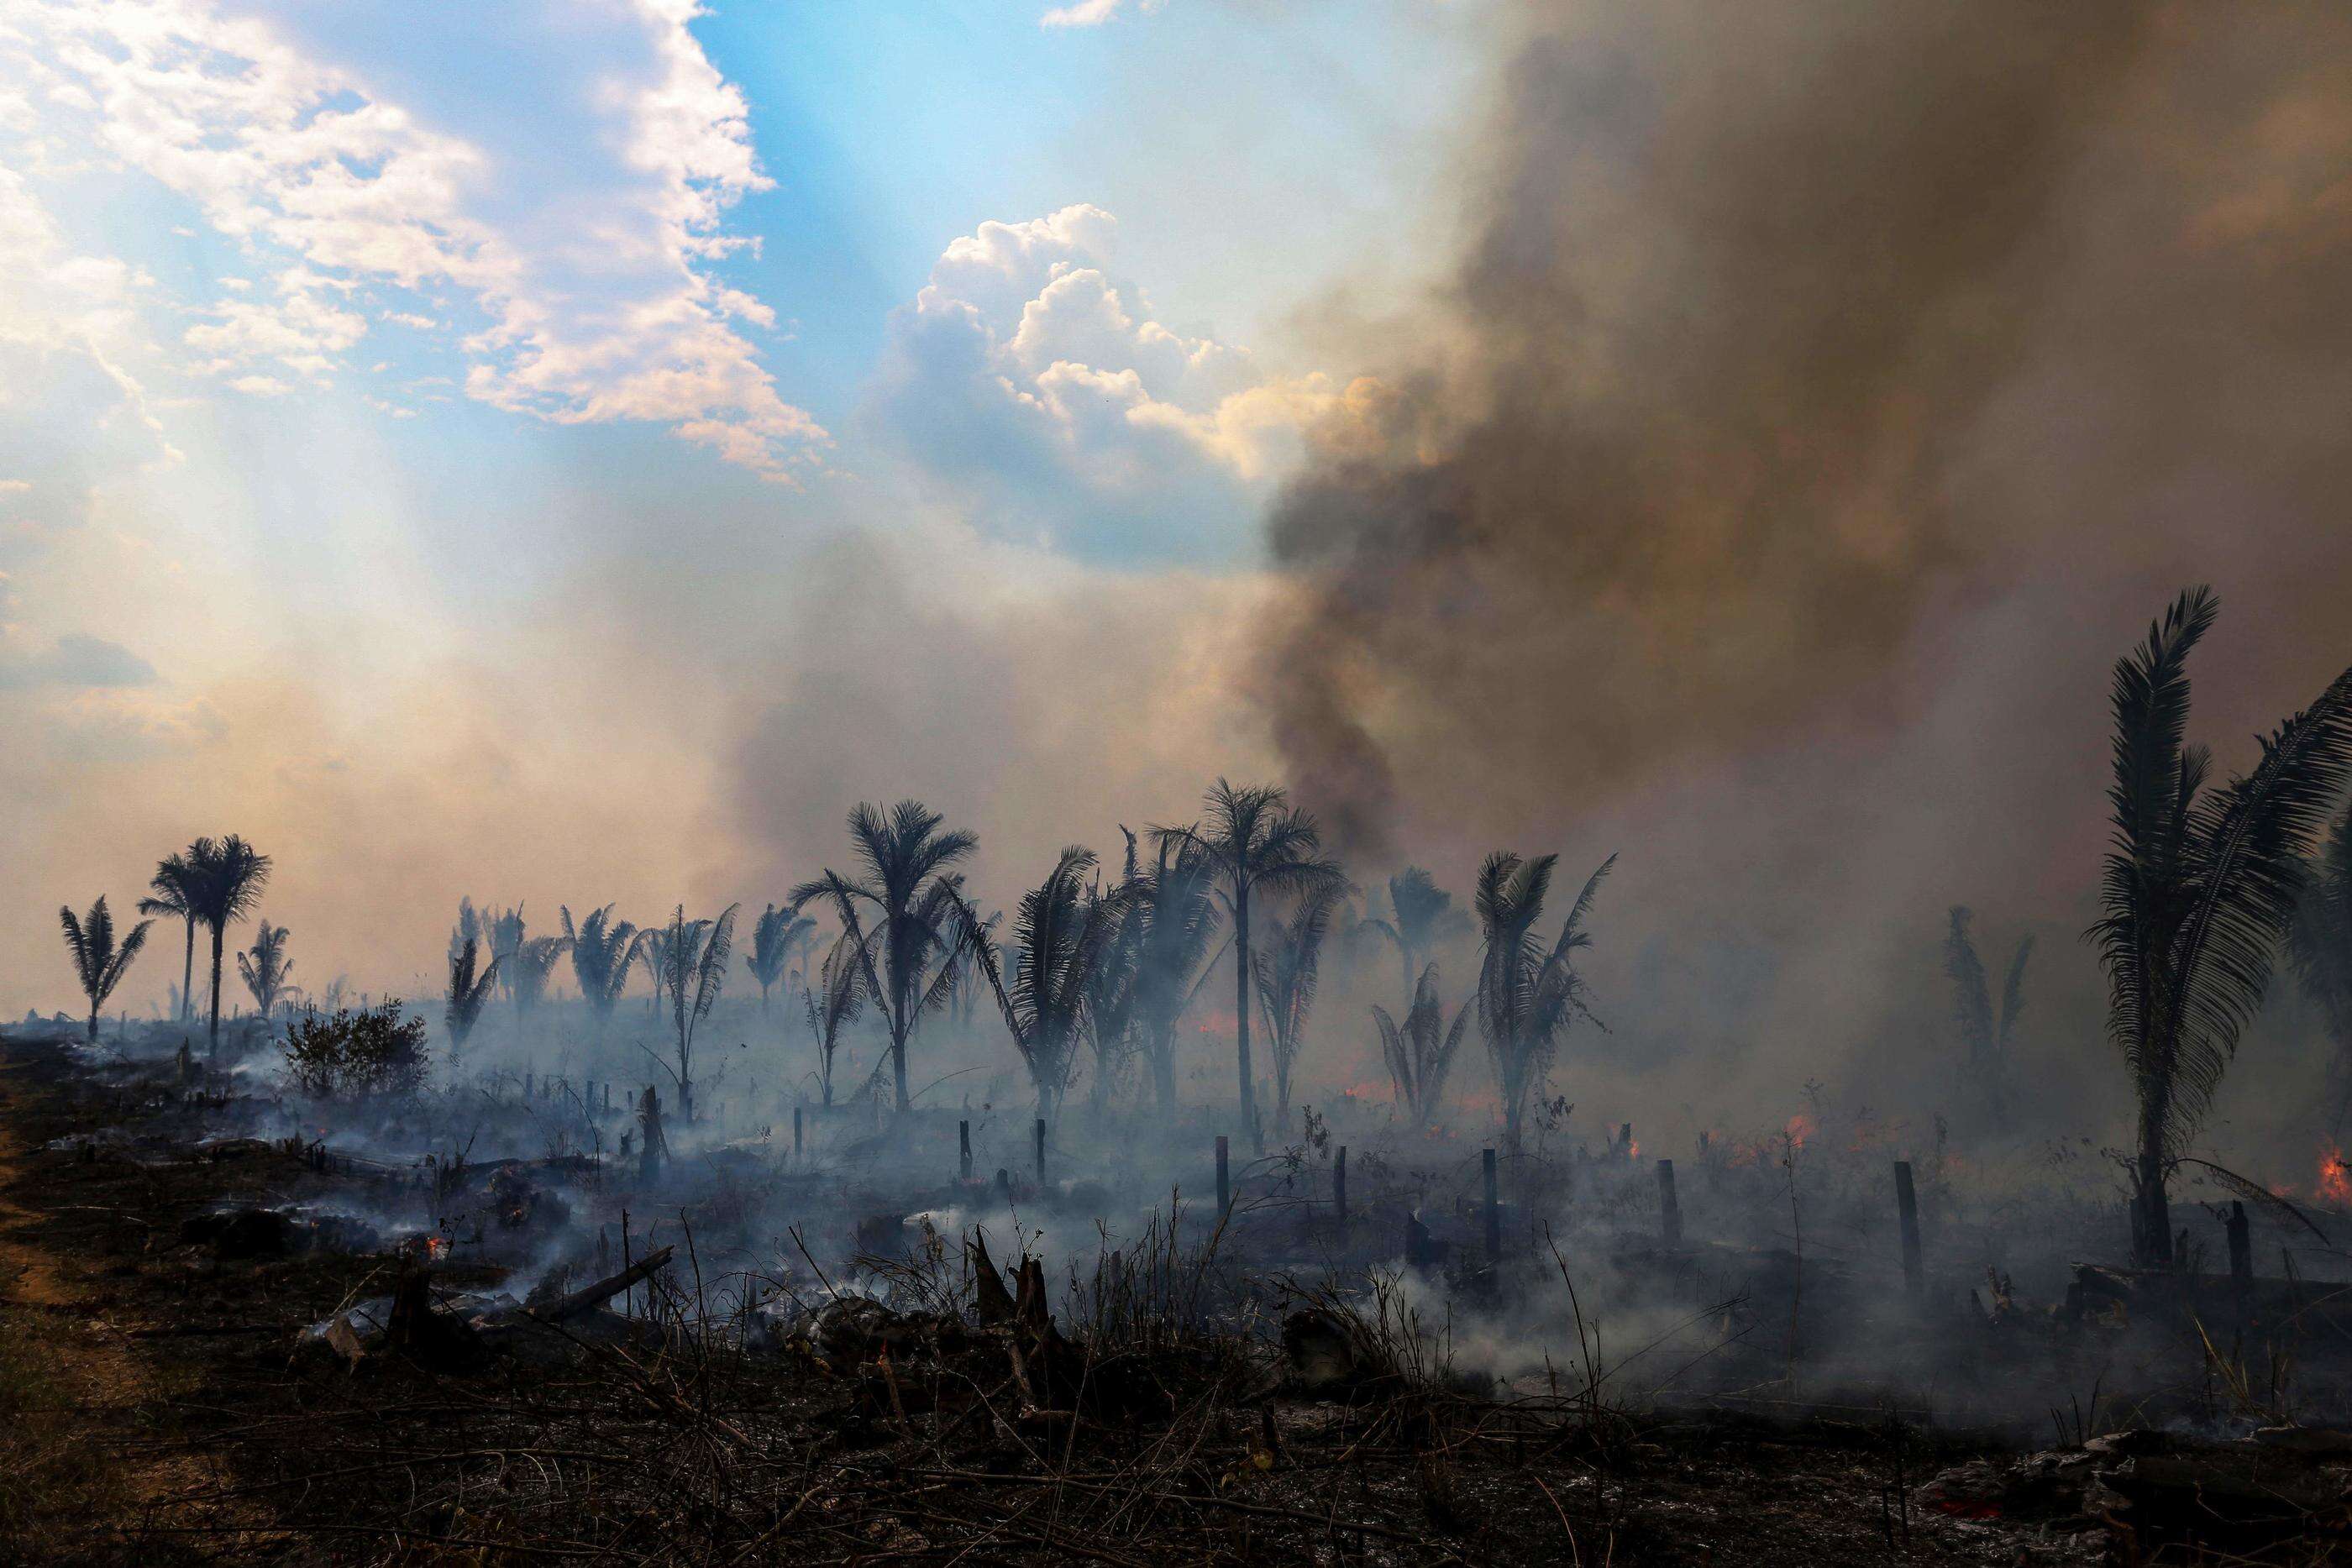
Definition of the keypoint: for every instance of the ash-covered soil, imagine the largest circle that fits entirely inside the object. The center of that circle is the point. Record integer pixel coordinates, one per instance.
(171, 1401)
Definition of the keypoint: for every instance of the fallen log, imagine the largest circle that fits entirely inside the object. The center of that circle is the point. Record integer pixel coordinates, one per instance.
(605, 1290)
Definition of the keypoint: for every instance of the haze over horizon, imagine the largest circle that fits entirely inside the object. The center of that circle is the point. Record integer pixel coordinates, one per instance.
(574, 453)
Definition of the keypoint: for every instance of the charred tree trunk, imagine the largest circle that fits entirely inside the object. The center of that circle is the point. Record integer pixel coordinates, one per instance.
(212, 1031)
(1242, 1015)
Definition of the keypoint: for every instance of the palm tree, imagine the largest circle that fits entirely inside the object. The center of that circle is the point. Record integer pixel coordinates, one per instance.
(1114, 981)
(921, 924)
(507, 934)
(833, 1004)
(226, 882)
(265, 967)
(1528, 994)
(2199, 890)
(1421, 1054)
(1987, 1043)
(98, 962)
(602, 951)
(1175, 901)
(469, 994)
(1254, 841)
(1424, 913)
(2320, 943)
(692, 957)
(170, 885)
(526, 973)
(470, 927)
(1286, 969)
(1062, 935)
(776, 935)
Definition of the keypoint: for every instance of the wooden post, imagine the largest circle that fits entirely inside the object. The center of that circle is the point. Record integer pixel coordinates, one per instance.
(2242, 1248)
(1625, 1141)
(1041, 1153)
(1225, 1193)
(1339, 1184)
(963, 1143)
(1670, 1209)
(1906, 1206)
(796, 1134)
(1494, 1209)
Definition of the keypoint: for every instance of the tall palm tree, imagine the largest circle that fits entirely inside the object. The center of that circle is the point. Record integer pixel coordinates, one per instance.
(692, 956)
(1529, 992)
(2320, 943)
(833, 1004)
(1257, 841)
(1423, 913)
(170, 887)
(226, 878)
(602, 951)
(1288, 967)
(99, 960)
(921, 924)
(1421, 1054)
(776, 935)
(1062, 933)
(469, 994)
(265, 967)
(1985, 1037)
(2199, 890)
(1175, 900)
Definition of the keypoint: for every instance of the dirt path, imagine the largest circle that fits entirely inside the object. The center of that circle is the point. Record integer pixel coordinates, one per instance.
(81, 1463)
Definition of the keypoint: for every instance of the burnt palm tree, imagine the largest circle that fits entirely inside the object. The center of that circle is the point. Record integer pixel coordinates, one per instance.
(265, 967)
(99, 960)
(170, 886)
(1983, 1035)
(1174, 900)
(225, 880)
(692, 957)
(1419, 1054)
(1529, 992)
(776, 935)
(469, 994)
(1424, 913)
(1288, 966)
(919, 924)
(833, 1004)
(602, 951)
(1062, 935)
(2198, 891)
(2320, 943)
(1254, 841)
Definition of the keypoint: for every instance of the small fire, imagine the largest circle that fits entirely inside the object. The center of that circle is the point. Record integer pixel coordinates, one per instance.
(2334, 1185)
(1800, 1128)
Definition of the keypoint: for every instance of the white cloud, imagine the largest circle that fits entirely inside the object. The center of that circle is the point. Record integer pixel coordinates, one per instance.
(260, 386)
(1091, 13)
(602, 310)
(1033, 384)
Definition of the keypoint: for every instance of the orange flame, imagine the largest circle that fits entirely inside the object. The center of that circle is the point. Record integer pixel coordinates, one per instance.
(2335, 1183)
(1800, 1128)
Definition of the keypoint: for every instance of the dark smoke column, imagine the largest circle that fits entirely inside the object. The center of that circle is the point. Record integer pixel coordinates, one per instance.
(1689, 457)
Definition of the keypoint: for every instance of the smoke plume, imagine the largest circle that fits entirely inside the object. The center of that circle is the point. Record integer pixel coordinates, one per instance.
(1792, 340)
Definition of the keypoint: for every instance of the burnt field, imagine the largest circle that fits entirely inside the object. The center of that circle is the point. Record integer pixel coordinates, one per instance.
(228, 1340)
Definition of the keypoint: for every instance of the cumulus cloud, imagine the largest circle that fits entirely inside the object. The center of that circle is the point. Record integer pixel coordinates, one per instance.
(329, 183)
(1033, 387)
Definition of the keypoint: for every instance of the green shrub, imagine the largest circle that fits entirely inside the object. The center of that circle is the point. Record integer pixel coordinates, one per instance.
(350, 1054)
